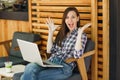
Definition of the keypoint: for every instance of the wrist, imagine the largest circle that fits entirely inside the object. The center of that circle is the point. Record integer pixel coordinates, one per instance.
(50, 32)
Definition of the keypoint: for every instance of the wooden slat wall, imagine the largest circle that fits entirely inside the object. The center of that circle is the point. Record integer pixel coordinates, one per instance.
(42, 9)
(8, 27)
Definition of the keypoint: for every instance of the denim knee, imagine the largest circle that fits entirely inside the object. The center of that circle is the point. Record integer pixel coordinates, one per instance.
(31, 67)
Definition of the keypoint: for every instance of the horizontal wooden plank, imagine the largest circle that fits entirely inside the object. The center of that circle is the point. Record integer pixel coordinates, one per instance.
(100, 3)
(100, 11)
(100, 59)
(100, 32)
(43, 31)
(100, 73)
(42, 26)
(59, 8)
(100, 52)
(100, 66)
(59, 15)
(57, 21)
(43, 48)
(100, 39)
(100, 17)
(100, 46)
(62, 2)
(100, 25)
(44, 42)
(100, 78)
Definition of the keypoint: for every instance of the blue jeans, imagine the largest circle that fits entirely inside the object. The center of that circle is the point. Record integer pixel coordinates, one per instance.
(35, 72)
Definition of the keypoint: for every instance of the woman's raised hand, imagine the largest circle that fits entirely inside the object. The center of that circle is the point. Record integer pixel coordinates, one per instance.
(50, 24)
(80, 30)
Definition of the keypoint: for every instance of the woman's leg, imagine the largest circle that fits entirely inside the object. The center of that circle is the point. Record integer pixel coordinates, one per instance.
(56, 73)
(31, 71)
(53, 74)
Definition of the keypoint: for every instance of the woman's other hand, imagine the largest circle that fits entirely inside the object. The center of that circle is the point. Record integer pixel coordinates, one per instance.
(81, 30)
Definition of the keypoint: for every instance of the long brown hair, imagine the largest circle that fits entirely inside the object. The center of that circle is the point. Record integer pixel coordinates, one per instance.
(64, 29)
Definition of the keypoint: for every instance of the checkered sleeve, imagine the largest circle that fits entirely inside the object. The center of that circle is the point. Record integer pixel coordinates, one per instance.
(78, 53)
(55, 49)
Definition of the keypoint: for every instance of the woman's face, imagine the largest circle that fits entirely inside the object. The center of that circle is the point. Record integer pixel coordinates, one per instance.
(71, 20)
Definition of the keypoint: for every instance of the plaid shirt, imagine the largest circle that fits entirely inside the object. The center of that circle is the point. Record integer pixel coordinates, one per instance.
(68, 47)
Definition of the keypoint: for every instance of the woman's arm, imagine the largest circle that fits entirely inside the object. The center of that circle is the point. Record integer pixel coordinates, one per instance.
(81, 41)
(49, 42)
(78, 44)
(51, 28)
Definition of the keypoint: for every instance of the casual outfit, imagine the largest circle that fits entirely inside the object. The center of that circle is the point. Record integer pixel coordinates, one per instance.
(58, 56)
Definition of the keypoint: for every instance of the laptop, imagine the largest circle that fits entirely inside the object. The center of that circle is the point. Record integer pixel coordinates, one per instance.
(30, 53)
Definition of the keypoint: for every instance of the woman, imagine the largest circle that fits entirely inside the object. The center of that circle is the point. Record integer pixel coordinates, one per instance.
(70, 42)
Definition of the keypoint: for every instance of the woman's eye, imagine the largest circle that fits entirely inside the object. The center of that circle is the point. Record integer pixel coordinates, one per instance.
(73, 17)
